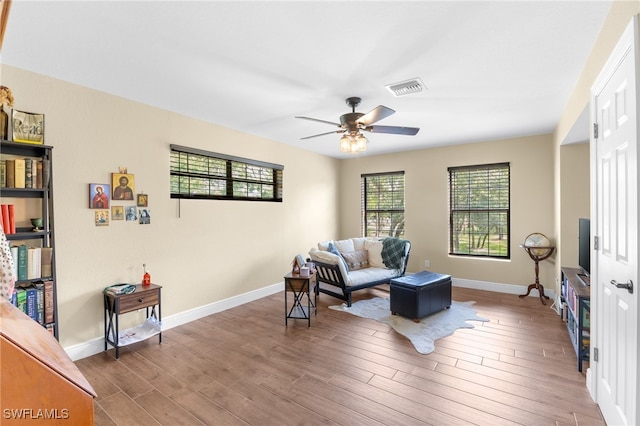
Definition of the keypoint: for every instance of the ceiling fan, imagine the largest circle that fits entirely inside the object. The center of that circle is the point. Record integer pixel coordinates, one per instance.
(352, 125)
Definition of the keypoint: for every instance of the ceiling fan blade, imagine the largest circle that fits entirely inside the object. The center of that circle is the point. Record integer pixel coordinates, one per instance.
(322, 134)
(320, 121)
(376, 114)
(395, 130)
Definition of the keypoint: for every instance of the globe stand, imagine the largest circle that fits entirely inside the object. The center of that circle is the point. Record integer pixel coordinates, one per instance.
(537, 258)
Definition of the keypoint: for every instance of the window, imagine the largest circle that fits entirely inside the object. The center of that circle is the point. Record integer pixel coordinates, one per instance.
(208, 175)
(479, 213)
(383, 204)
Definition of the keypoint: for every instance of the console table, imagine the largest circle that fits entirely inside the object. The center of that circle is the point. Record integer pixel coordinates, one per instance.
(145, 296)
(300, 287)
(576, 311)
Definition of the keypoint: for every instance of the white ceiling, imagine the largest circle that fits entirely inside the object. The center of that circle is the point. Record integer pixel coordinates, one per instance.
(493, 69)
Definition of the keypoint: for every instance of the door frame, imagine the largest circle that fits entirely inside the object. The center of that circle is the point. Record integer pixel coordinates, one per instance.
(629, 43)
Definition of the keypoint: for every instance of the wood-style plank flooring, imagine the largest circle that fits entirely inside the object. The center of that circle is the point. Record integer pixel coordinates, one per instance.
(243, 367)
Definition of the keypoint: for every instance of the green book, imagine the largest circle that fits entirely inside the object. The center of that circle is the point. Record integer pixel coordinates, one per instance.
(3, 173)
(23, 260)
(21, 299)
(28, 175)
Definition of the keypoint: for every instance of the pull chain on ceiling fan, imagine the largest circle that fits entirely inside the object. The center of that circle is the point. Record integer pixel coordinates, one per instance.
(353, 124)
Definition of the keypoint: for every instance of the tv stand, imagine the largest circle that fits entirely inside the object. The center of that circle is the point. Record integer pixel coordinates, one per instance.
(576, 311)
(586, 280)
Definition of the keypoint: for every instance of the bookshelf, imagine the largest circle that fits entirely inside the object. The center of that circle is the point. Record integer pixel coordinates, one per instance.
(33, 200)
(576, 311)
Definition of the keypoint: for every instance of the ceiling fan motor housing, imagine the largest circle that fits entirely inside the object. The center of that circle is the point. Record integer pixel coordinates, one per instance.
(349, 120)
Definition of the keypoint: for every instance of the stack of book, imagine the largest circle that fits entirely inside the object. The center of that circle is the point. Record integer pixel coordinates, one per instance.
(31, 263)
(8, 218)
(24, 173)
(35, 300)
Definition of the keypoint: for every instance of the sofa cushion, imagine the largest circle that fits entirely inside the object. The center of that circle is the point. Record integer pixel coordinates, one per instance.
(331, 248)
(367, 275)
(341, 245)
(374, 248)
(358, 243)
(357, 259)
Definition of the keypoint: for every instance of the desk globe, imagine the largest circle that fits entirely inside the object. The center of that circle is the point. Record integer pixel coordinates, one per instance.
(539, 248)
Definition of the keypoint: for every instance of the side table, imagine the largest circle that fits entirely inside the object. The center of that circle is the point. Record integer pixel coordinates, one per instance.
(300, 287)
(147, 296)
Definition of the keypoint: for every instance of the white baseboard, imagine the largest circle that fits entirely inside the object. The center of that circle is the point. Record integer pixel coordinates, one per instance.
(500, 288)
(92, 347)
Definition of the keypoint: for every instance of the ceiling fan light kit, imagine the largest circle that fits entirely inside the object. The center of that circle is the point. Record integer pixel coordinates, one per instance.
(354, 123)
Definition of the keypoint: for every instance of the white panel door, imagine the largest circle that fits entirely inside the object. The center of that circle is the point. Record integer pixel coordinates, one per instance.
(614, 159)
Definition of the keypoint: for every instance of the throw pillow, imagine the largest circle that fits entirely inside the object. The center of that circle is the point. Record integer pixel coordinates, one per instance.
(331, 248)
(344, 245)
(375, 253)
(356, 259)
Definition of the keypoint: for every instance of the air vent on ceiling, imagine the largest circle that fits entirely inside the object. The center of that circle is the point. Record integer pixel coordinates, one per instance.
(407, 87)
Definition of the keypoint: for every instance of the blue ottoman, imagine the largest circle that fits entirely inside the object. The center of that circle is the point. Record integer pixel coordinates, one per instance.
(418, 295)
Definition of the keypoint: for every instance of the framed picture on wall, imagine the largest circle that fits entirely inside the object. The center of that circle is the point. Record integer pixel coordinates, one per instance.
(99, 195)
(102, 217)
(117, 212)
(143, 200)
(123, 186)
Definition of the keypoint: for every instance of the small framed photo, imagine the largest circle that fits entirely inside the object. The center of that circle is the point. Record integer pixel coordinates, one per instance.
(27, 127)
(143, 200)
(99, 194)
(131, 213)
(123, 186)
(145, 216)
(102, 217)
(117, 213)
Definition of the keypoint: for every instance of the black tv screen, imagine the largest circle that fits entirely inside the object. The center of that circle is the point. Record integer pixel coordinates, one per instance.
(584, 245)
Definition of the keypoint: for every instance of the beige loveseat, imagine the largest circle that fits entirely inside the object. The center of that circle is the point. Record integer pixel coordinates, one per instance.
(345, 266)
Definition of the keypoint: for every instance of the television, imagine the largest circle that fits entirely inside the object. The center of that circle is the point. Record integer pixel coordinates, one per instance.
(584, 246)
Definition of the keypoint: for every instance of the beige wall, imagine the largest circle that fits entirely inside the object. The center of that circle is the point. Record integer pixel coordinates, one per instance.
(212, 251)
(426, 204)
(574, 199)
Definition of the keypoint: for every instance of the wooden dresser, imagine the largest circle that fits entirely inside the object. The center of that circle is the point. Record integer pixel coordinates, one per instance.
(39, 384)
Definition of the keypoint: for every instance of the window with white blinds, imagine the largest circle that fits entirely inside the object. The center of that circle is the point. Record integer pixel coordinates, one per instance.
(382, 196)
(479, 210)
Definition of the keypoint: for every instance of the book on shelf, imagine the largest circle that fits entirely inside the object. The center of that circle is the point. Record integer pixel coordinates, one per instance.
(32, 302)
(12, 219)
(34, 173)
(3, 173)
(19, 173)
(38, 173)
(46, 172)
(11, 173)
(5, 218)
(28, 175)
(23, 260)
(21, 299)
(46, 259)
(48, 302)
(40, 293)
(34, 264)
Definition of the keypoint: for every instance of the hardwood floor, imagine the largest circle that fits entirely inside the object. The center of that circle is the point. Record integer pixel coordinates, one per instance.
(242, 366)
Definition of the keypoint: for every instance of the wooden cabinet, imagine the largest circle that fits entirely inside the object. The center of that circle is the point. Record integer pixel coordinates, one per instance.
(28, 203)
(39, 384)
(576, 311)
